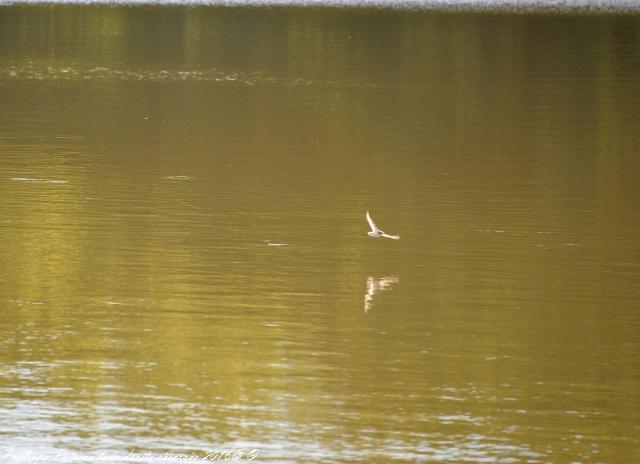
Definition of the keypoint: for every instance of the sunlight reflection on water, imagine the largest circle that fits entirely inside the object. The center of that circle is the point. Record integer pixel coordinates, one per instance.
(27, 71)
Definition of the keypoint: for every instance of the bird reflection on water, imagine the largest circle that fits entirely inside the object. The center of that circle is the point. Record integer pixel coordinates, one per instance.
(376, 284)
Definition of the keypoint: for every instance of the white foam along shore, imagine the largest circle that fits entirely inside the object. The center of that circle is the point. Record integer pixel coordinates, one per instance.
(523, 6)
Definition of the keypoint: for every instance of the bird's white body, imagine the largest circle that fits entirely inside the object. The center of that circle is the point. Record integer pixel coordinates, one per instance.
(375, 232)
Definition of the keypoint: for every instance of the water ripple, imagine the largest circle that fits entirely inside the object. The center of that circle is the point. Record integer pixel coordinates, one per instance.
(33, 71)
(517, 6)
(38, 181)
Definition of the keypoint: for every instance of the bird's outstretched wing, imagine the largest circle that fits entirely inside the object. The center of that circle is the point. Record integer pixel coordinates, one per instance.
(372, 224)
(394, 237)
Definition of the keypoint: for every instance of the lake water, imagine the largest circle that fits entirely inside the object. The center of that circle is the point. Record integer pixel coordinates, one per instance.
(185, 264)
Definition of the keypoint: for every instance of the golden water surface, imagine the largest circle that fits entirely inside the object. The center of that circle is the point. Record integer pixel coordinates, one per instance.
(184, 259)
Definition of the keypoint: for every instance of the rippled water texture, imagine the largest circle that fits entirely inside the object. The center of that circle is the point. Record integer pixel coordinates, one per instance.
(185, 264)
(512, 6)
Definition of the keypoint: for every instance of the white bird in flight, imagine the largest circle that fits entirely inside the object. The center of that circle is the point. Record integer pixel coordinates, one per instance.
(375, 232)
